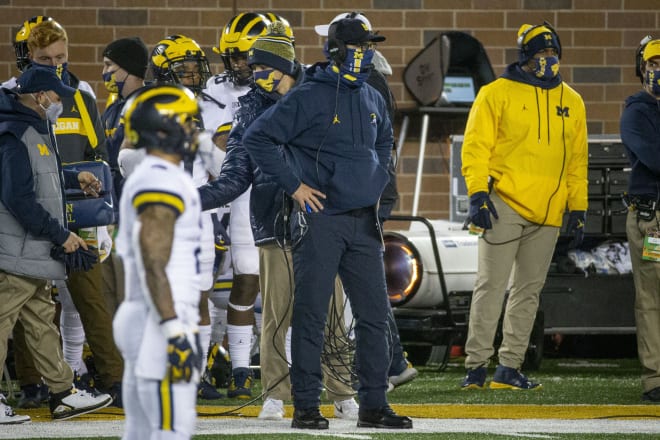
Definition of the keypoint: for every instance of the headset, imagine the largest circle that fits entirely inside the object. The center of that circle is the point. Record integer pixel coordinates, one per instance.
(336, 47)
(525, 47)
(639, 57)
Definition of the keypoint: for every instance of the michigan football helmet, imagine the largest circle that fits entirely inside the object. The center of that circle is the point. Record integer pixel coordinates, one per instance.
(163, 117)
(20, 41)
(180, 60)
(235, 41)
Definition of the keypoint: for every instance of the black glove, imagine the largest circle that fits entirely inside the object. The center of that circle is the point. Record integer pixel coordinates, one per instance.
(78, 260)
(576, 222)
(481, 208)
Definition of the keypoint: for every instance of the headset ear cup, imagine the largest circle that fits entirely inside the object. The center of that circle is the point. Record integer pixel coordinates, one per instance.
(341, 54)
(337, 50)
(336, 47)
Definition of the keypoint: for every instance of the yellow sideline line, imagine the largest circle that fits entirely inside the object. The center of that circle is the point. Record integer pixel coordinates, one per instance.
(436, 411)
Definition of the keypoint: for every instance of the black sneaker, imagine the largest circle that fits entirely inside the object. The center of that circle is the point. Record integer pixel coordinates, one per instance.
(652, 396)
(383, 417)
(310, 418)
(206, 391)
(115, 393)
(507, 378)
(241, 384)
(85, 383)
(474, 379)
(33, 395)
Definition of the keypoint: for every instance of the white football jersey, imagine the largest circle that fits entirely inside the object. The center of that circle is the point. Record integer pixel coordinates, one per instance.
(221, 103)
(156, 181)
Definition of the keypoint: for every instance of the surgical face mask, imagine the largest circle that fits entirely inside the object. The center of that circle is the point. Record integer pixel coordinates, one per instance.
(357, 65)
(53, 111)
(266, 79)
(652, 81)
(111, 84)
(546, 67)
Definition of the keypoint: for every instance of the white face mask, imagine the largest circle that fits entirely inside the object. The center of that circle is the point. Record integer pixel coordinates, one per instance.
(53, 111)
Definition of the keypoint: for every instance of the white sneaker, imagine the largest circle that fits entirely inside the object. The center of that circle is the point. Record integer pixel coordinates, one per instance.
(406, 376)
(7, 414)
(346, 409)
(272, 409)
(76, 403)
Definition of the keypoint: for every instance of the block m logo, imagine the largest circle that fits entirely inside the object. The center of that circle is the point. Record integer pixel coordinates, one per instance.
(43, 150)
(562, 111)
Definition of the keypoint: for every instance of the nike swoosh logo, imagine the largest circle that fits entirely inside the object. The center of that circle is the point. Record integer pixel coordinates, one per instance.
(110, 205)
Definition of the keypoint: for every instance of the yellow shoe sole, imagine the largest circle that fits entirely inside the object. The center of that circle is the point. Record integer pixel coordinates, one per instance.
(473, 386)
(505, 386)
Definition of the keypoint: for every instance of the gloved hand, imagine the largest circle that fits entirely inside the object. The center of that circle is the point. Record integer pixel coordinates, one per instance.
(181, 359)
(481, 208)
(78, 260)
(576, 222)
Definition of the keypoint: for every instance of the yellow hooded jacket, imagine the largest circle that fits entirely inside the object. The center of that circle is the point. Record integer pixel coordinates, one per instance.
(533, 142)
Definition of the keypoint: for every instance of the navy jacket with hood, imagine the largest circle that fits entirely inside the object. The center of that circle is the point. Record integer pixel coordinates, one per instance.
(338, 140)
(239, 171)
(640, 133)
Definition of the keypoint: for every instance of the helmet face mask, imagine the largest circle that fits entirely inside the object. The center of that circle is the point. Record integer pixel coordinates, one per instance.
(237, 66)
(163, 118)
(180, 60)
(235, 41)
(20, 41)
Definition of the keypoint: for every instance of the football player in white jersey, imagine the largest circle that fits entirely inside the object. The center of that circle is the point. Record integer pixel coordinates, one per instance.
(156, 326)
(236, 39)
(178, 59)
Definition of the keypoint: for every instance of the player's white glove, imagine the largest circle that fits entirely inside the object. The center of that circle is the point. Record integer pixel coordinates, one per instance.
(212, 156)
(129, 158)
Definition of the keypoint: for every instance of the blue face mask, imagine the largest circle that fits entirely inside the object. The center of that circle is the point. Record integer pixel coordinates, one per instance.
(111, 84)
(546, 67)
(266, 80)
(652, 79)
(60, 70)
(356, 66)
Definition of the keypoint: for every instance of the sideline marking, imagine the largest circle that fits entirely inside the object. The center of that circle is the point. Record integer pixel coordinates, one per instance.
(434, 411)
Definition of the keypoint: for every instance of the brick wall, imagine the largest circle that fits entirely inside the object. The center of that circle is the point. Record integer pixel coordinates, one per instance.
(599, 38)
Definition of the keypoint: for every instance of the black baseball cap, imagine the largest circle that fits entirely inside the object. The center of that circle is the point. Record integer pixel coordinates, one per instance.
(41, 79)
(353, 31)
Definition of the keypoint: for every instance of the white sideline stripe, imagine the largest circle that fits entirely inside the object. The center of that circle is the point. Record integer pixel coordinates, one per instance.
(523, 428)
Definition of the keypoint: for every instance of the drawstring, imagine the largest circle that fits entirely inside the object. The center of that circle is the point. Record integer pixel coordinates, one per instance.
(538, 115)
(547, 112)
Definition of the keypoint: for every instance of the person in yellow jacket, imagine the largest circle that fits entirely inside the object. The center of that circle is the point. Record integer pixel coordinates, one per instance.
(524, 161)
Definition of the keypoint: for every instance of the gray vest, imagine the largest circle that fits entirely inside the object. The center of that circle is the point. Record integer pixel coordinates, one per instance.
(21, 253)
